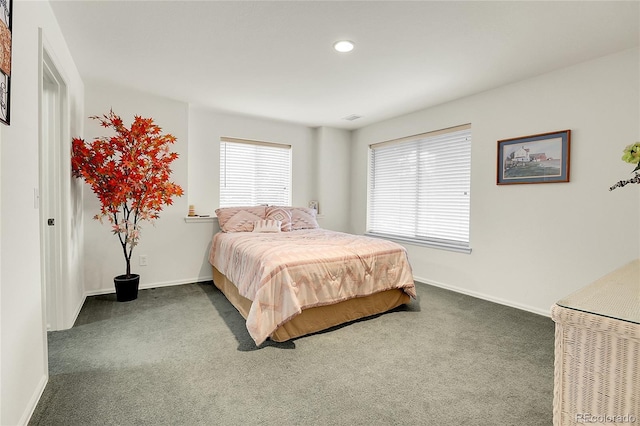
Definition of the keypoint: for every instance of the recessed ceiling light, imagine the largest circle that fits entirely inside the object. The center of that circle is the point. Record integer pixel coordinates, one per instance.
(343, 46)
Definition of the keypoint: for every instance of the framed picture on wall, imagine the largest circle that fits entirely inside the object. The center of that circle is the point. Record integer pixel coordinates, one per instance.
(542, 158)
(6, 17)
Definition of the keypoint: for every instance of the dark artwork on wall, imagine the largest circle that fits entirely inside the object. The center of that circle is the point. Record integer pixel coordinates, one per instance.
(6, 15)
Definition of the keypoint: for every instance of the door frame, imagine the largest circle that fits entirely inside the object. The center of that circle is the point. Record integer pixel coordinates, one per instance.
(53, 199)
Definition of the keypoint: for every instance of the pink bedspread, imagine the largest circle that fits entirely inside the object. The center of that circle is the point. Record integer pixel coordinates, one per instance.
(283, 273)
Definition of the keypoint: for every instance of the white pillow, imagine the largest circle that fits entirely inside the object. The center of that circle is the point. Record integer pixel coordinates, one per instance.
(267, 225)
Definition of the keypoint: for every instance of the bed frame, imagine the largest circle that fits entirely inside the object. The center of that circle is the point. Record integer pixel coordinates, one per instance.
(318, 318)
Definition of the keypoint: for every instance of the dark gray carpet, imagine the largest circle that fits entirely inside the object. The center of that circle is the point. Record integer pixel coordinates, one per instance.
(181, 356)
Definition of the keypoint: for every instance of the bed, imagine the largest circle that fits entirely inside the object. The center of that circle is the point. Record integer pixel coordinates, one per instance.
(288, 277)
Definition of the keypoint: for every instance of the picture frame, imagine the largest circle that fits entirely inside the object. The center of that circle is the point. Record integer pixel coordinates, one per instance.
(541, 158)
(6, 19)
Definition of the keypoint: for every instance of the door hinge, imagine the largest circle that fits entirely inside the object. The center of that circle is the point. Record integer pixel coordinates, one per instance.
(51, 221)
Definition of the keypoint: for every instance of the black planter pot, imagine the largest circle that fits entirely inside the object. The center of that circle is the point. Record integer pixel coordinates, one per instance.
(126, 287)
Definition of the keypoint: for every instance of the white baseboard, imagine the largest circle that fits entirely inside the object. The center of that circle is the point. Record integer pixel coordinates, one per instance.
(546, 313)
(153, 285)
(33, 402)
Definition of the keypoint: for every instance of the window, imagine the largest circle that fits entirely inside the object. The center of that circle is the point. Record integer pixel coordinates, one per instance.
(419, 188)
(253, 173)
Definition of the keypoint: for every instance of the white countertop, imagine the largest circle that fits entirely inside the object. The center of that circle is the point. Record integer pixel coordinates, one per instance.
(616, 295)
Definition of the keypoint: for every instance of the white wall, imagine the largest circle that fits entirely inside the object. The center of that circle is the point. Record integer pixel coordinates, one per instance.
(206, 127)
(23, 350)
(333, 158)
(574, 232)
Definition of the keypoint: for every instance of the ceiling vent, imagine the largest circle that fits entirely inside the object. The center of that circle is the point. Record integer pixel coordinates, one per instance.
(351, 117)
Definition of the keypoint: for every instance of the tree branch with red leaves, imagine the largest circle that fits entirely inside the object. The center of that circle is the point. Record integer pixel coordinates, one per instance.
(129, 173)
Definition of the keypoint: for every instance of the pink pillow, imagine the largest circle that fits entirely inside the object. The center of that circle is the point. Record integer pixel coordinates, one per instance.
(239, 219)
(303, 218)
(282, 214)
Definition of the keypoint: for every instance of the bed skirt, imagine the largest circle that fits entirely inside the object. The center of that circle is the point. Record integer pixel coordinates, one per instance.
(318, 318)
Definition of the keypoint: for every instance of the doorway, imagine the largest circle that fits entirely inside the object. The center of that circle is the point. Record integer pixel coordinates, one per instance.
(52, 131)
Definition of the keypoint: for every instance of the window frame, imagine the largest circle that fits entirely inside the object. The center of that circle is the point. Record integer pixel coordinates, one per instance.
(433, 242)
(255, 143)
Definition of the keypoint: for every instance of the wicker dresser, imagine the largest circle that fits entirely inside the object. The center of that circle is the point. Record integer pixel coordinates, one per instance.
(597, 352)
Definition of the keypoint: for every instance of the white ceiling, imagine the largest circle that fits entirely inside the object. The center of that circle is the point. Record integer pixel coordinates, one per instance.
(275, 59)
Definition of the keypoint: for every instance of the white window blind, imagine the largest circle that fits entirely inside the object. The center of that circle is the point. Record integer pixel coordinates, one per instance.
(253, 173)
(419, 188)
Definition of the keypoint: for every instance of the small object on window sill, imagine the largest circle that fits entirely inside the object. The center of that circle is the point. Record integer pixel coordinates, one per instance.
(203, 215)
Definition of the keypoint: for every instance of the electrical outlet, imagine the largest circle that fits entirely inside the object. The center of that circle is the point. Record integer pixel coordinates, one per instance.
(143, 260)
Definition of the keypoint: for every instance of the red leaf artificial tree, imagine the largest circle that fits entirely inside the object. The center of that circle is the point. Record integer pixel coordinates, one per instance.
(129, 173)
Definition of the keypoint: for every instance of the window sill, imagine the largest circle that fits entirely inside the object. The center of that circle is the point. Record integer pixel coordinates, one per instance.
(422, 243)
(200, 219)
